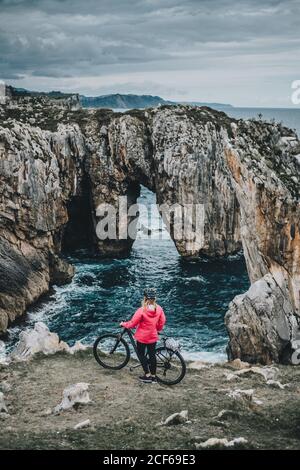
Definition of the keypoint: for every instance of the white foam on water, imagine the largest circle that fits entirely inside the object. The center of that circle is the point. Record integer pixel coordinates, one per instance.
(198, 278)
(205, 356)
(2, 352)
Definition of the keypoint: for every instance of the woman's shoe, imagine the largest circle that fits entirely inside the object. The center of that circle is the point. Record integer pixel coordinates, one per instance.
(154, 380)
(146, 379)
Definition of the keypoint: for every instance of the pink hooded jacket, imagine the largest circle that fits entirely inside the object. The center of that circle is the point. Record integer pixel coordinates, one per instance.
(149, 323)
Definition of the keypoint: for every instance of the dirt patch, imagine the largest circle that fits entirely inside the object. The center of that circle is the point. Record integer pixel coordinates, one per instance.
(124, 413)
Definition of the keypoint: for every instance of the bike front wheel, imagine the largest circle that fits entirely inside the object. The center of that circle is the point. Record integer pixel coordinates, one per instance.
(111, 351)
(171, 367)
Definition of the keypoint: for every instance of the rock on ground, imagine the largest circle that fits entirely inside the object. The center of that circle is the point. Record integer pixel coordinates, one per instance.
(41, 340)
(245, 397)
(238, 364)
(74, 395)
(199, 365)
(268, 373)
(3, 408)
(83, 424)
(176, 418)
(277, 384)
(225, 414)
(216, 443)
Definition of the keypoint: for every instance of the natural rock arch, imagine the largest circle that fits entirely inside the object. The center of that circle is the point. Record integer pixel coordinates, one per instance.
(180, 161)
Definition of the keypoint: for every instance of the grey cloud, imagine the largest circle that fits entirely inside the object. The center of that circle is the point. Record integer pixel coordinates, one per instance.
(52, 38)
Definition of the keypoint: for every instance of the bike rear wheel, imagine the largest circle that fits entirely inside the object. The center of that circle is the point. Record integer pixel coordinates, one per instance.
(171, 367)
(111, 351)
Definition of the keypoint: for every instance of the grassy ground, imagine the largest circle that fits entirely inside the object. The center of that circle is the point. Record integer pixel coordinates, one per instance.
(124, 413)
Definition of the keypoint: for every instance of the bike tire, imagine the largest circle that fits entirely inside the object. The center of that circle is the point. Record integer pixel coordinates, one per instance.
(101, 362)
(181, 361)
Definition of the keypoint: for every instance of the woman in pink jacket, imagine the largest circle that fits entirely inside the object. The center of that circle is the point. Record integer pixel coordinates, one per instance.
(148, 320)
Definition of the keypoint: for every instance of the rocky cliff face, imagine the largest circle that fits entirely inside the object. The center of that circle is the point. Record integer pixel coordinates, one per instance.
(263, 323)
(39, 173)
(243, 174)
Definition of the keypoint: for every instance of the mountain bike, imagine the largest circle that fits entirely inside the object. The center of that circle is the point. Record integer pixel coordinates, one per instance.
(112, 351)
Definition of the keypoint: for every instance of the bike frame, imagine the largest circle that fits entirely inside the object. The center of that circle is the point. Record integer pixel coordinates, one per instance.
(129, 333)
(132, 340)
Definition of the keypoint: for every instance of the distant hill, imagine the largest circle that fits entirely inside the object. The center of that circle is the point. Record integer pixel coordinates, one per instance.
(113, 101)
(118, 101)
(210, 105)
(122, 101)
(50, 94)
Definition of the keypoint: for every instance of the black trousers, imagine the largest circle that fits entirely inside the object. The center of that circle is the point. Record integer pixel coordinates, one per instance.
(142, 350)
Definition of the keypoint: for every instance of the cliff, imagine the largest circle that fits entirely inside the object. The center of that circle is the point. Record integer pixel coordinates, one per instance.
(244, 174)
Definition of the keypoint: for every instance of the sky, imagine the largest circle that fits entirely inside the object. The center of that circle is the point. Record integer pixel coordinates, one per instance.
(243, 52)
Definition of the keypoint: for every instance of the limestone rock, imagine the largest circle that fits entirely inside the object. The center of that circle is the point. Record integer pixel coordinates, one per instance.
(268, 373)
(41, 340)
(261, 323)
(38, 340)
(47, 412)
(238, 364)
(199, 365)
(5, 386)
(78, 346)
(83, 424)
(73, 396)
(61, 272)
(239, 394)
(3, 408)
(39, 172)
(245, 397)
(225, 414)
(176, 418)
(216, 443)
(277, 384)
(24, 277)
(231, 377)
